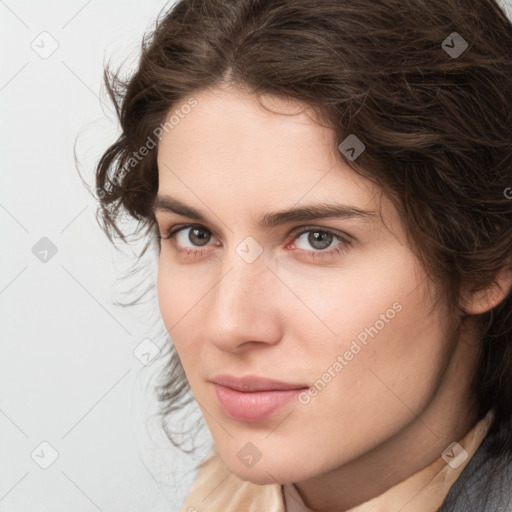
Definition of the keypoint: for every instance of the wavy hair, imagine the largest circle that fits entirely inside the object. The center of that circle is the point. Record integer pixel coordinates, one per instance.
(437, 127)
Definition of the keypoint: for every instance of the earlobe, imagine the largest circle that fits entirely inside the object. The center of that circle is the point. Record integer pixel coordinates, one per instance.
(475, 303)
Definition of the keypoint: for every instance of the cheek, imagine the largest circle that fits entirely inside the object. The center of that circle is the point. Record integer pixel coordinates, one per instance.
(175, 298)
(387, 344)
(362, 300)
(166, 295)
(180, 291)
(385, 369)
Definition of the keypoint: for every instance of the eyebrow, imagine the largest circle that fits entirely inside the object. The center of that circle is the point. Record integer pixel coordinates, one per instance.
(168, 203)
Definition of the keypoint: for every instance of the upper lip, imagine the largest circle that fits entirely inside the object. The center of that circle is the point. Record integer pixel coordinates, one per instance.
(251, 383)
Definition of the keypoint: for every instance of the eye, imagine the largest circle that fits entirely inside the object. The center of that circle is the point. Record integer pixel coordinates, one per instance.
(196, 235)
(315, 242)
(317, 239)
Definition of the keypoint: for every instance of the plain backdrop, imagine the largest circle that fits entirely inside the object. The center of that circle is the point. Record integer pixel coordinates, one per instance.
(77, 426)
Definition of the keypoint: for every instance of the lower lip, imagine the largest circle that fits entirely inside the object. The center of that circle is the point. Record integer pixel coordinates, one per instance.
(253, 407)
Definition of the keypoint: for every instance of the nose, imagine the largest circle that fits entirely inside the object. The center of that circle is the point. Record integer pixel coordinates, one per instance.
(243, 309)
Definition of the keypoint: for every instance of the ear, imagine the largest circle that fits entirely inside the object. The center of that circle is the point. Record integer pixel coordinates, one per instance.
(475, 303)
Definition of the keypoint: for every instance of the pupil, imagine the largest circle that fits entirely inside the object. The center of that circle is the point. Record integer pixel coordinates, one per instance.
(198, 236)
(320, 239)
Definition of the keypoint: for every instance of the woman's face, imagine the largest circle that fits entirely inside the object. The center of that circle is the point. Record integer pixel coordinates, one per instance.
(259, 286)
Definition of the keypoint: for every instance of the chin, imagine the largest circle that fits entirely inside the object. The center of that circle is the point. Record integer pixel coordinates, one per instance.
(269, 471)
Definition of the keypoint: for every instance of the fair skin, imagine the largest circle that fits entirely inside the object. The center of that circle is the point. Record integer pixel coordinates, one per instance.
(400, 401)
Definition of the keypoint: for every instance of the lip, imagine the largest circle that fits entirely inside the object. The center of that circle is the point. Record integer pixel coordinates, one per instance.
(253, 398)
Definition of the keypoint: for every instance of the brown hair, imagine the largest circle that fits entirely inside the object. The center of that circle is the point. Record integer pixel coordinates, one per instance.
(437, 127)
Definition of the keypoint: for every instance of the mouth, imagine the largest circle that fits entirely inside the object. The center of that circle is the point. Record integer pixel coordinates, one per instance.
(253, 398)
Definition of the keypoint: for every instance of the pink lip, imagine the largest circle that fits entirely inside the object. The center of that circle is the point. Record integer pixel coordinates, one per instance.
(253, 399)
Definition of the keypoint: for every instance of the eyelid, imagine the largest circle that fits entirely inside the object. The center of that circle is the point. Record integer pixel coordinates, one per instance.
(304, 229)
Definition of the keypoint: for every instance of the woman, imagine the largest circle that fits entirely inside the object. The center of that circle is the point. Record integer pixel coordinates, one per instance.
(327, 184)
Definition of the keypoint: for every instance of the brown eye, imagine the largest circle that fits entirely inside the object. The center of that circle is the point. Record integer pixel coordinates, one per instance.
(189, 237)
(199, 236)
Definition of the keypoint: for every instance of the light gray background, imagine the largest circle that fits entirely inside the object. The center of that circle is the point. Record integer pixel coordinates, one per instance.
(68, 373)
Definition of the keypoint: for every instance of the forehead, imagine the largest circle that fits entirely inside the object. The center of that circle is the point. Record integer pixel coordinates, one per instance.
(228, 139)
(241, 126)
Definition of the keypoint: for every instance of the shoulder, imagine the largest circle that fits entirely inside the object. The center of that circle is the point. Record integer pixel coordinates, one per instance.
(216, 489)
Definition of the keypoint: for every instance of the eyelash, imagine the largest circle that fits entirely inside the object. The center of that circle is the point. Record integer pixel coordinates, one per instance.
(346, 241)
